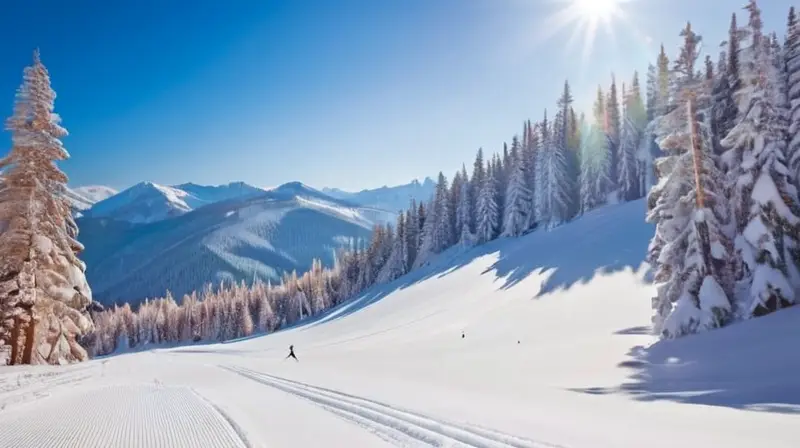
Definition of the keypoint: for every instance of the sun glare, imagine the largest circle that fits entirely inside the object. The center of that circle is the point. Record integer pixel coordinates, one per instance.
(583, 18)
(603, 10)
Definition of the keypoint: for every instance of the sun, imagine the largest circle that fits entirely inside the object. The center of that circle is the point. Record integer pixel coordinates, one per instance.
(583, 20)
(603, 10)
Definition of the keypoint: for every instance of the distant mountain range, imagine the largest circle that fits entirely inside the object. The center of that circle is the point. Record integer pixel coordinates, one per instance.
(388, 198)
(148, 202)
(152, 238)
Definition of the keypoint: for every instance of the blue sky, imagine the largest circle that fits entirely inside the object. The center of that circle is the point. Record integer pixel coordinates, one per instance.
(347, 93)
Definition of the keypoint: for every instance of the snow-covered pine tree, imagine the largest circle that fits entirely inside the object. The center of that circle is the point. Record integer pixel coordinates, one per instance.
(541, 174)
(464, 215)
(396, 265)
(558, 186)
(792, 57)
(570, 141)
(663, 83)
(488, 215)
(45, 295)
(531, 149)
(518, 198)
(454, 196)
(690, 249)
(496, 171)
(630, 168)
(444, 232)
(412, 234)
(768, 198)
(476, 183)
(613, 128)
(594, 169)
(427, 247)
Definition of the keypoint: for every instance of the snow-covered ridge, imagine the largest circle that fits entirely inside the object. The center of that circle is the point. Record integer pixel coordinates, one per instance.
(388, 198)
(85, 197)
(262, 236)
(148, 202)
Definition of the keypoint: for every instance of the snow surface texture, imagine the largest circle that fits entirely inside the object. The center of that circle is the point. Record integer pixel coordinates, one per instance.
(556, 353)
(264, 236)
(388, 198)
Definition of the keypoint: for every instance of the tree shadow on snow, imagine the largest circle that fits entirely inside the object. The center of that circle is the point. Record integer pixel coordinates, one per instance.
(606, 240)
(750, 366)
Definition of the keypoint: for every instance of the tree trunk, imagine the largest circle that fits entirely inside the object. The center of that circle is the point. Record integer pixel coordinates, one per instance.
(696, 150)
(27, 352)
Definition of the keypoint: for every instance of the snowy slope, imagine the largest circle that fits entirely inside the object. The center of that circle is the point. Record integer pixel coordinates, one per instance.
(148, 202)
(279, 231)
(388, 198)
(83, 198)
(556, 353)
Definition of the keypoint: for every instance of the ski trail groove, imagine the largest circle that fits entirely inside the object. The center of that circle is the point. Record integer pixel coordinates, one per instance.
(389, 421)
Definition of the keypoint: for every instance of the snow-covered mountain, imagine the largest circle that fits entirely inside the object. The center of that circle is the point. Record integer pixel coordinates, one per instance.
(263, 235)
(388, 198)
(557, 352)
(148, 202)
(85, 197)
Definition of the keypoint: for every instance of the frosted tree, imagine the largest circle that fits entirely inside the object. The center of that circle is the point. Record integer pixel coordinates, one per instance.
(244, 321)
(518, 200)
(437, 232)
(792, 57)
(443, 236)
(613, 131)
(412, 233)
(464, 215)
(557, 187)
(488, 215)
(396, 265)
(476, 183)
(690, 250)
(767, 198)
(44, 298)
(453, 198)
(540, 199)
(634, 118)
(530, 150)
(594, 169)
(427, 246)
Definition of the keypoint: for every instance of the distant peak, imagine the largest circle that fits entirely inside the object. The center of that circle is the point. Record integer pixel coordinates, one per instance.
(295, 185)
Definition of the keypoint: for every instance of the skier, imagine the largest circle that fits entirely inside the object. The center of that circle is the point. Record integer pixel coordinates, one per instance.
(291, 354)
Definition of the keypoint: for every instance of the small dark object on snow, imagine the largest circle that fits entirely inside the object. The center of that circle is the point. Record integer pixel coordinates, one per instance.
(291, 354)
(517, 342)
(196, 338)
(462, 335)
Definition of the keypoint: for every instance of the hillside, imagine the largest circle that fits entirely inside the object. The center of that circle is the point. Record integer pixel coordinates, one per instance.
(148, 202)
(264, 236)
(556, 353)
(85, 197)
(388, 198)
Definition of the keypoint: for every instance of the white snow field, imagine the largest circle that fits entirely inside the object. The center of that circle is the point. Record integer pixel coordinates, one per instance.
(556, 353)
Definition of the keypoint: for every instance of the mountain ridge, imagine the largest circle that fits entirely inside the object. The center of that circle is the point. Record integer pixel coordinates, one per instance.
(263, 236)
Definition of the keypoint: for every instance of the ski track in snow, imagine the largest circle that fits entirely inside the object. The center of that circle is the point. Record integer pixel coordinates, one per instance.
(122, 416)
(400, 427)
(24, 386)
